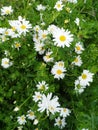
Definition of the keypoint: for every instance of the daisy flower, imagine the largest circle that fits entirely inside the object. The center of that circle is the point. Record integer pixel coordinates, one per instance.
(30, 115)
(78, 48)
(59, 63)
(42, 34)
(21, 120)
(6, 63)
(85, 78)
(40, 7)
(36, 38)
(17, 45)
(49, 104)
(36, 28)
(58, 71)
(6, 10)
(42, 85)
(58, 6)
(62, 38)
(60, 122)
(77, 61)
(78, 88)
(37, 96)
(64, 112)
(23, 26)
(47, 57)
(52, 28)
(39, 47)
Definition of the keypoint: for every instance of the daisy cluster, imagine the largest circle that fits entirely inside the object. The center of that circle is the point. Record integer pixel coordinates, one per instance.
(61, 38)
(46, 103)
(17, 28)
(46, 39)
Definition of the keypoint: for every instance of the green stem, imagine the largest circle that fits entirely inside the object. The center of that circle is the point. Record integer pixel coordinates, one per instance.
(25, 101)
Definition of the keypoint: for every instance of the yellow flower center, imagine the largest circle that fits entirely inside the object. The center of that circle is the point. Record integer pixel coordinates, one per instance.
(84, 76)
(17, 45)
(51, 108)
(13, 28)
(23, 27)
(22, 118)
(59, 122)
(44, 36)
(78, 48)
(47, 56)
(6, 32)
(6, 62)
(60, 64)
(7, 11)
(64, 109)
(76, 60)
(59, 5)
(59, 72)
(62, 38)
(31, 113)
(42, 87)
(38, 96)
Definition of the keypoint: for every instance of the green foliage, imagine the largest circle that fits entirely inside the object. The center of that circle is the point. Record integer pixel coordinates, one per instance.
(18, 82)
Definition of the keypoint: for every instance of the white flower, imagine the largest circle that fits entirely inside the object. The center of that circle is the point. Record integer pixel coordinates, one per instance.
(39, 47)
(20, 127)
(78, 88)
(85, 78)
(72, 1)
(35, 122)
(23, 26)
(59, 63)
(42, 34)
(47, 57)
(42, 85)
(36, 28)
(6, 63)
(30, 115)
(40, 7)
(21, 120)
(36, 38)
(78, 48)
(62, 38)
(52, 28)
(58, 71)
(58, 6)
(60, 122)
(16, 109)
(48, 104)
(6, 10)
(37, 96)
(64, 112)
(17, 45)
(77, 21)
(77, 61)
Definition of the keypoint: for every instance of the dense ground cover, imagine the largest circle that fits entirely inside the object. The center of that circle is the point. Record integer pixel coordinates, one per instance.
(48, 65)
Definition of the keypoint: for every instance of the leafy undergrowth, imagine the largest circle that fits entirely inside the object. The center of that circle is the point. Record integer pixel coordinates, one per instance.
(49, 65)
